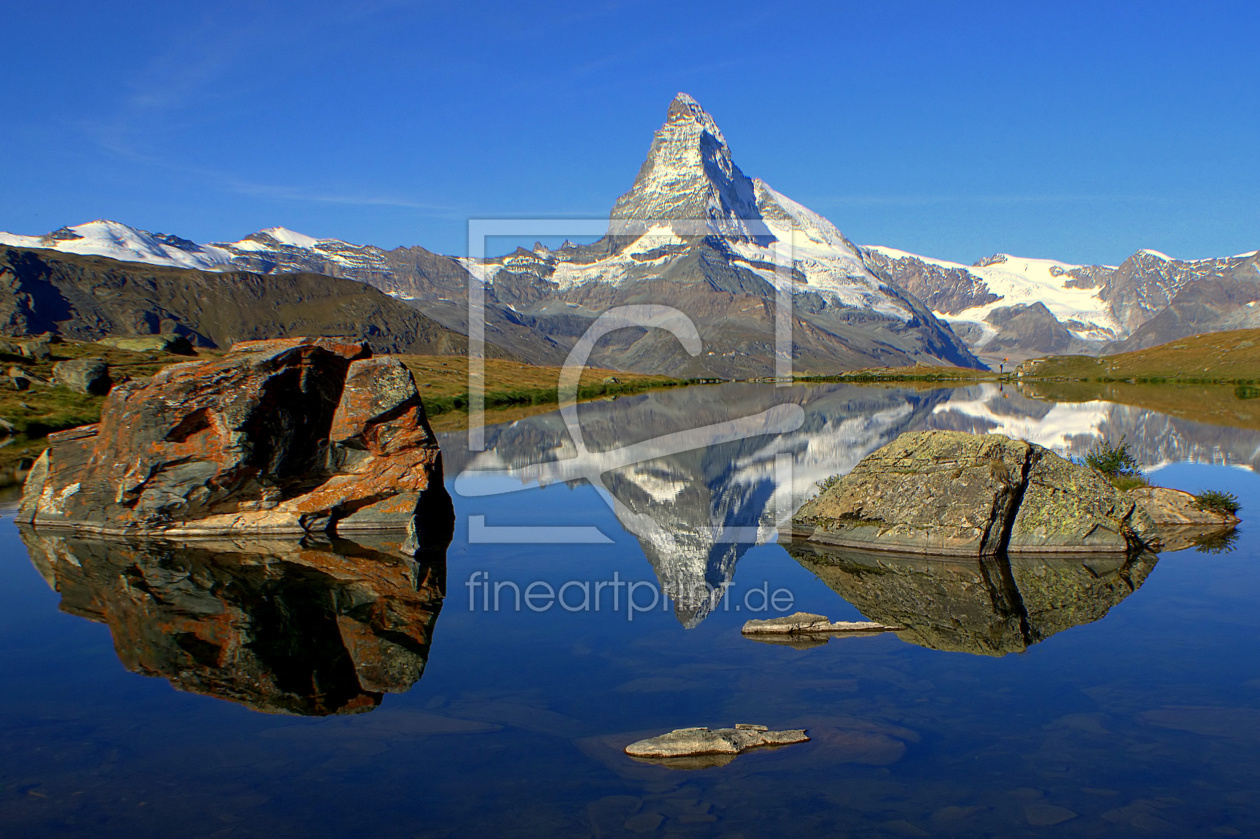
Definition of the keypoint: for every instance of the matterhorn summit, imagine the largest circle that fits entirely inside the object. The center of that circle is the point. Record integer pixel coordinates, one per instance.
(689, 175)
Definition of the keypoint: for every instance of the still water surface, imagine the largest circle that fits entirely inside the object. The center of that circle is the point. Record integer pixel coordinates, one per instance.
(327, 690)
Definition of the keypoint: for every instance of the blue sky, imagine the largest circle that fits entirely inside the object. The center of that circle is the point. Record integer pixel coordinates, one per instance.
(1079, 131)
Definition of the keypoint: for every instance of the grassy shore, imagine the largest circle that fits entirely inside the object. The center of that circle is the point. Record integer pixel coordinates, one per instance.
(1212, 358)
(513, 390)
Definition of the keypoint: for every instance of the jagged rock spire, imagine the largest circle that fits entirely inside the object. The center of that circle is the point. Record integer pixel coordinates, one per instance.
(689, 174)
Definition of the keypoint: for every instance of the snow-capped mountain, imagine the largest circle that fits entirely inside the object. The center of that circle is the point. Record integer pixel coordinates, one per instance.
(696, 233)
(275, 250)
(1016, 307)
(118, 241)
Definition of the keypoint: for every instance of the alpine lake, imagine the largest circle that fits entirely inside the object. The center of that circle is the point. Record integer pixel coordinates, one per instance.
(603, 564)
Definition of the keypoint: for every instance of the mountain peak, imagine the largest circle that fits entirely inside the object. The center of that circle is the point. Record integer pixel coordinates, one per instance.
(285, 236)
(689, 175)
(686, 109)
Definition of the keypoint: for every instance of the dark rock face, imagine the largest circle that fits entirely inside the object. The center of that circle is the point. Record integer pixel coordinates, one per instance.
(984, 606)
(289, 436)
(92, 297)
(1031, 328)
(83, 375)
(1206, 305)
(951, 493)
(1147, 283)
(310, 628)
(946, 290)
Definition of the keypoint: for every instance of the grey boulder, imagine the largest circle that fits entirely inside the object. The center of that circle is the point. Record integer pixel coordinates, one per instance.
(83, 375)
(951, 493)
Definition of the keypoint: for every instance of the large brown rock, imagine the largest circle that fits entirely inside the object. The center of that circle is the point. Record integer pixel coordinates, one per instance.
(951, 493)
(276, 437)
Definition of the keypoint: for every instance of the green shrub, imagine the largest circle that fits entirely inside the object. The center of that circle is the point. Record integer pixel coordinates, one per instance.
(1116, 463)
(1215, 501)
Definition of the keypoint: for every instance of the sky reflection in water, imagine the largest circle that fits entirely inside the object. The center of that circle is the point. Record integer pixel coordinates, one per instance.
(1142, 722)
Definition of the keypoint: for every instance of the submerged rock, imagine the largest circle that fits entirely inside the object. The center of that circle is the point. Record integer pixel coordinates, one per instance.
(951, 493)
(811, 624)
(690, 742)
(288, 436)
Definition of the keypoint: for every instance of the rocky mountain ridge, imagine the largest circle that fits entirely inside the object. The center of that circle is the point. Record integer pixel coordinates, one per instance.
(91, 297)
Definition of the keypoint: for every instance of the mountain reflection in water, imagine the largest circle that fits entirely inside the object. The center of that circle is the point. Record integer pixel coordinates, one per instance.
(280, 626)
(695, 512)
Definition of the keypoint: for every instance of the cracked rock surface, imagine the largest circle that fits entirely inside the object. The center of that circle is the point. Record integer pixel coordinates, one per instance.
(951, 493)
(290, 436)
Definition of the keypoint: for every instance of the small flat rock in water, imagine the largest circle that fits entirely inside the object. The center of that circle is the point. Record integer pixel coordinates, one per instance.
(811, 624)
(685, 742)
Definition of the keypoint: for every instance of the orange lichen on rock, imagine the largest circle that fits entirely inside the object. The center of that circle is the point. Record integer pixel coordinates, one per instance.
(277, 436)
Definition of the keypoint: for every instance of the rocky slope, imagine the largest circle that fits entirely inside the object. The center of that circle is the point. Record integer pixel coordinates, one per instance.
(91, 297)
(1008, 307)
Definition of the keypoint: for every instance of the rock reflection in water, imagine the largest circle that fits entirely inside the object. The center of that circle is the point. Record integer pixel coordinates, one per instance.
(695, 512)
(280, 626)
(990, 606)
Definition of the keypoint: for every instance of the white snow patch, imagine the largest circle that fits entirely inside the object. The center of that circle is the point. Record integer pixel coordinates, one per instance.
(1025, 281)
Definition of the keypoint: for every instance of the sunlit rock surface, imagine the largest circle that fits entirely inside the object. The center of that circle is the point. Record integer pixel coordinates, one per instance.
(691, 742)
(954, 493)
(288, 436)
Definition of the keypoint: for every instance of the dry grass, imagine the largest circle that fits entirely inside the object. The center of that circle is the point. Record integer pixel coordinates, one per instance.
(1214, 357)
(513, 391)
